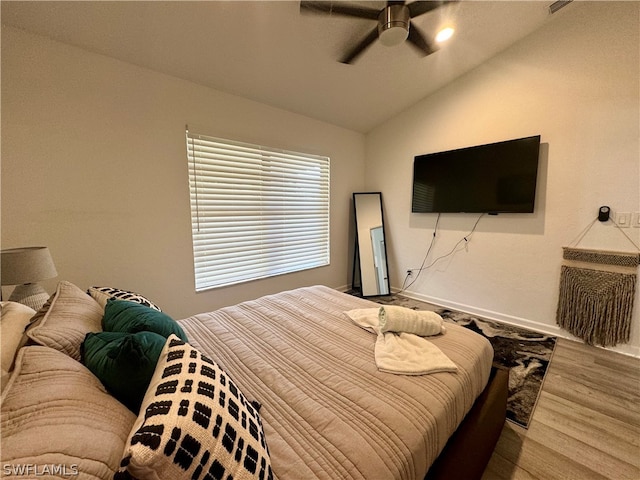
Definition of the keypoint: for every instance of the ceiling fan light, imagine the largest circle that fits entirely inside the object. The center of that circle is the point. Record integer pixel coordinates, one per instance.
(393, 36)
(393, 25)
(444, 34)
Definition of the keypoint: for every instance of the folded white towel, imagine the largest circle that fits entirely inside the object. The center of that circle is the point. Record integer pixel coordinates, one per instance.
(423, 323)
(409, 354)
(366, 318)
(399, 352)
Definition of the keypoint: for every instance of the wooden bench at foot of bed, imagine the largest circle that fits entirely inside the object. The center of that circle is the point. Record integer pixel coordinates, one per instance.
(466, 454)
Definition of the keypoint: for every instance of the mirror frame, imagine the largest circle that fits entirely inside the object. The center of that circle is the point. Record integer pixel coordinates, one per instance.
(357, 278)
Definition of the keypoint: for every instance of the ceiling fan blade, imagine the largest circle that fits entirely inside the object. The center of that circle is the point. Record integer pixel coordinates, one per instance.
(418, 40)
(420, 8)
(338, 8)
(361, 47)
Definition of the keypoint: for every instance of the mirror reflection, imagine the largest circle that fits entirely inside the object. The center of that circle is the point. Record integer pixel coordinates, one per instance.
(371, 274)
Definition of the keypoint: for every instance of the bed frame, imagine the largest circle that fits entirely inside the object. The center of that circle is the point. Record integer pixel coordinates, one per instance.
(469, 449)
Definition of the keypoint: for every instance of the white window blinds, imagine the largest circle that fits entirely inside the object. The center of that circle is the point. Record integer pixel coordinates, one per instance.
(256, 211)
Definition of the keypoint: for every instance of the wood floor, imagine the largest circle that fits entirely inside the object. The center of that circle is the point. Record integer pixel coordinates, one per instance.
(586, 424)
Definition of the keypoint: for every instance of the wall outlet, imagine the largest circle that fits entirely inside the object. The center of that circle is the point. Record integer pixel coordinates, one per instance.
(635, 221)
(623, 219)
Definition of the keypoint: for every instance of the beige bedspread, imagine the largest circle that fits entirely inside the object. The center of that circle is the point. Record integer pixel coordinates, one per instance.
(327, 411)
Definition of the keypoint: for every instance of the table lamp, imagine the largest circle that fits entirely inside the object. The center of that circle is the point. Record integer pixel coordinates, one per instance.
(25, 267)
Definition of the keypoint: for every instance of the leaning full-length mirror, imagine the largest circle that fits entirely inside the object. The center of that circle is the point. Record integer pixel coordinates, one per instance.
(370, 266)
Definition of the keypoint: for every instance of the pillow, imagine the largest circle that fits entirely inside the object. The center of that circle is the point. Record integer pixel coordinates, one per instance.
(14, 317)
(56, 413)
(130, 317)
(124, 362)
(65, 319)
(102, 294)
(194, 423)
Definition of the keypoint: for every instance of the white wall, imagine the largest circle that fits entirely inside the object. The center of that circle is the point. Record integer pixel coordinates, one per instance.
(94, 167)
(576, 83)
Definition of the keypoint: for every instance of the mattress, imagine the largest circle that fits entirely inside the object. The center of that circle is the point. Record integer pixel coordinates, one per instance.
(327, 411)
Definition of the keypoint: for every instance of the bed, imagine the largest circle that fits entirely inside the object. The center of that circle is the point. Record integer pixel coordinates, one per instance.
(302, 367)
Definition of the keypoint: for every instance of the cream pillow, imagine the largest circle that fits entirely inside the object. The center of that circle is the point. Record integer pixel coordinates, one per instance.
(14, 317)
(56, 414)
(65, 320)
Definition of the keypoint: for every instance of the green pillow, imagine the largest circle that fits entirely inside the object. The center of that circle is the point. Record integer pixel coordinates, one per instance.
(124, 362)
(131, 317)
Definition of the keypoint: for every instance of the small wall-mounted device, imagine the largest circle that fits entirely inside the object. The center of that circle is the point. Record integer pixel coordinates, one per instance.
(603, 213)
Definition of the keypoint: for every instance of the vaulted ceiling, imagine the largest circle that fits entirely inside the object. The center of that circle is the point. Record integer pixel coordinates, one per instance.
(269, 52)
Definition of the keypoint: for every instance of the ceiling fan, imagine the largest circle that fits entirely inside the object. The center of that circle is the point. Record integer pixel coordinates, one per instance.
(394, 23)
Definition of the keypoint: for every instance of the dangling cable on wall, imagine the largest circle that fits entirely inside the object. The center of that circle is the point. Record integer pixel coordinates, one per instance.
(464, 239)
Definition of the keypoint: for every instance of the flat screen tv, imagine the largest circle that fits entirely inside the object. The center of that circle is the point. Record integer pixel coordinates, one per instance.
(494, 178)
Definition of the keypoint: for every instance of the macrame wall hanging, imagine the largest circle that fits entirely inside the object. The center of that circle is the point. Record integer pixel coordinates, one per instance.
(597, 288)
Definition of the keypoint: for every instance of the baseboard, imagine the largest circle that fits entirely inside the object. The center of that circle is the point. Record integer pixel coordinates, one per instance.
(556, 331)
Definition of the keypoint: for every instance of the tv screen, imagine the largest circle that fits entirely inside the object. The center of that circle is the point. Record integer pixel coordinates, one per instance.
(494, 178)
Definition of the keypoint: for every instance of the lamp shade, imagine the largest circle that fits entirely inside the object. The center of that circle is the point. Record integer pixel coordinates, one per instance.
(26, 265)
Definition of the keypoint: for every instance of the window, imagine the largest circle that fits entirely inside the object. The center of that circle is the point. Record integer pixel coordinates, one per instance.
(256, 211)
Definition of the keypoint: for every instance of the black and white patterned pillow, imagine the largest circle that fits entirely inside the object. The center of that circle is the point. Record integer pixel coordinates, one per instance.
(102, 294)
(195, 424)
